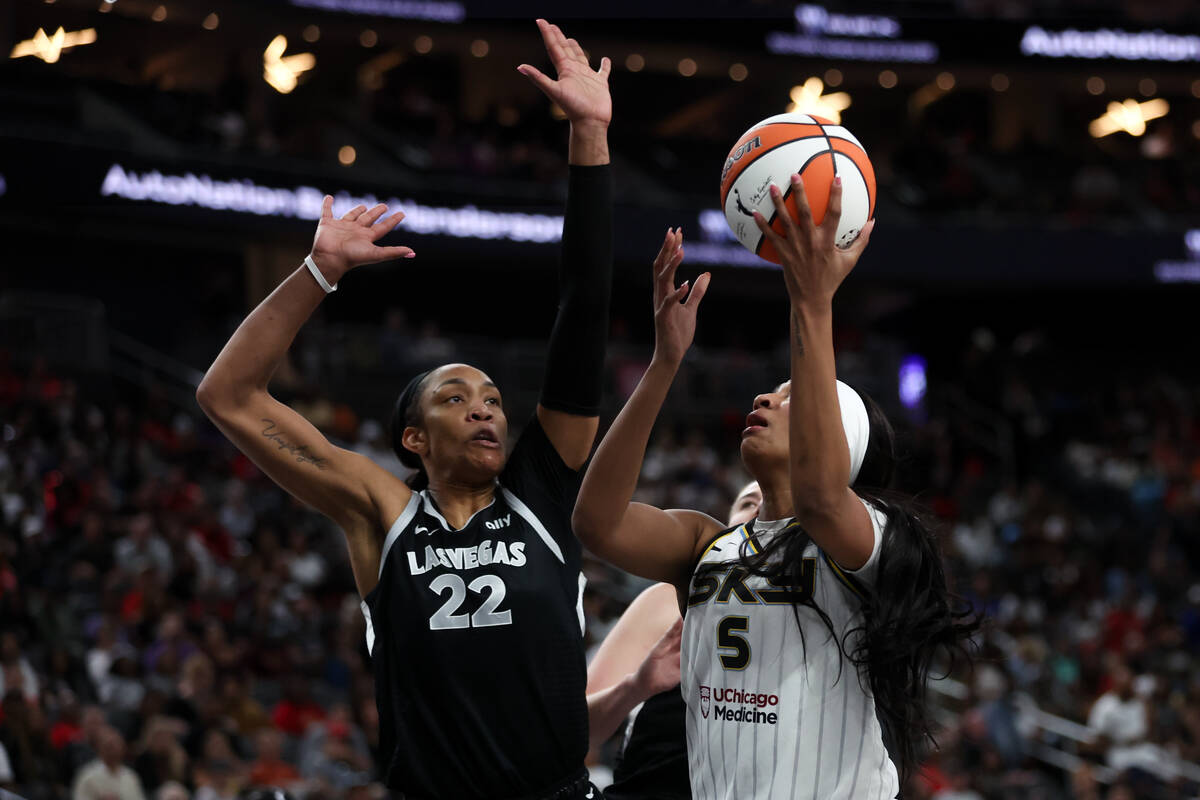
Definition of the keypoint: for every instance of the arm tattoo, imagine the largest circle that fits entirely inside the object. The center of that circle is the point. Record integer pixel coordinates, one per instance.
(300, 451)
(797, 342)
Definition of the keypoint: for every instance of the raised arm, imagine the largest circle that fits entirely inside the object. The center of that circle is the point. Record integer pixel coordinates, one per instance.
(348, 488)
(644, 540)
(571, 391)
(813, 268)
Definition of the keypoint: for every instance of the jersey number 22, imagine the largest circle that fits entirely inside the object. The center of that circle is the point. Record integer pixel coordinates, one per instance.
(486, 616)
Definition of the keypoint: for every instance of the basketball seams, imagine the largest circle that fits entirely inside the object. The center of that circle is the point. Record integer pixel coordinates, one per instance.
(736, 171)
(866, 184)
(748, 174)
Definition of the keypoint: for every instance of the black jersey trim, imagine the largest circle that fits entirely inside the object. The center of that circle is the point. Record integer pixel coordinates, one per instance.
(406, 516)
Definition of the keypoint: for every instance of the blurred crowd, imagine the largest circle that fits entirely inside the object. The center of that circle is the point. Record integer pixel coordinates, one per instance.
(174, 626)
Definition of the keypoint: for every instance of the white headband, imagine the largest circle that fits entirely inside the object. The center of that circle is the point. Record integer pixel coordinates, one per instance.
(857, 425)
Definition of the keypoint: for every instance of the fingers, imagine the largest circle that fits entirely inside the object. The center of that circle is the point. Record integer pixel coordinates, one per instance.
(389, 253)
(693, 301)
(860, 242)
(386, 225)
(833, 213)
(556, 43)
(574, 50)
(368, 219)
(605, 67)
(767, 231)
(672, 256)
(537, 77)
(327, 207)
(803, 222)
(354, 213)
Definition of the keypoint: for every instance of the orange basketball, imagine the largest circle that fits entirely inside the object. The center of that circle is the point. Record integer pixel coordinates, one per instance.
(779, 147)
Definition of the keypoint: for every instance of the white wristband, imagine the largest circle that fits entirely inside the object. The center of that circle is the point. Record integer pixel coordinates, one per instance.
(316, 273)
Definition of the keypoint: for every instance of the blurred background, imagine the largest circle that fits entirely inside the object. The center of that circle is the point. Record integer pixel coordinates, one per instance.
(1027, 314)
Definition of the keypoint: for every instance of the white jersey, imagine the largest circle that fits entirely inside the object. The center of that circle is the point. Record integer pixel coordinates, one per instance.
(763, 719)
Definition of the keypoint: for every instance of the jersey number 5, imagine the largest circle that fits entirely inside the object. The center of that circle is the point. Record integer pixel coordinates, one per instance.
(728, 640)
(446, 618)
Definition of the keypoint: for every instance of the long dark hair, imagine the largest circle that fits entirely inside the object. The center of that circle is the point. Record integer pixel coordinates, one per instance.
(909, 615)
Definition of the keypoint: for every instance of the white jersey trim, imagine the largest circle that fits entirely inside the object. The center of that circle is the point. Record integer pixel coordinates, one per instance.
(579, 604)
(394, 532)
(370, 627)
(523, 511)
(431, 509)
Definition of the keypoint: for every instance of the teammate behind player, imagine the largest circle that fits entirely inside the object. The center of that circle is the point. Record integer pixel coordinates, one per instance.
(653, 760)
(802, 625)
(471, 587)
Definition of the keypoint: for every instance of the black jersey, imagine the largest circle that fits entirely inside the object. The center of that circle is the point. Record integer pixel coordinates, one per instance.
(476, 639)
(653, 763)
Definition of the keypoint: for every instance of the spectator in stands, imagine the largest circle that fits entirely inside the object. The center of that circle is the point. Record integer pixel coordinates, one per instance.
(269, 768)
(108, 778)
(160, 755)
(219, 774)
(1119, 719)
(142, 548)
(296, 710)
(16, 674)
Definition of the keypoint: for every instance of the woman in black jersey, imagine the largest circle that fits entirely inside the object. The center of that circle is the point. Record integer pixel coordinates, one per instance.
(653, 760)
(470, 576)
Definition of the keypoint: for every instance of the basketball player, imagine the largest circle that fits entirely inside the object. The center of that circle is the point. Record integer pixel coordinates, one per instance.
(806, 627)
(653, 761)
(470, 576)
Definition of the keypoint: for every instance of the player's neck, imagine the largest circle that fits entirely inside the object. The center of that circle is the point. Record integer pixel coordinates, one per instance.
(777, 499)
(459, 502)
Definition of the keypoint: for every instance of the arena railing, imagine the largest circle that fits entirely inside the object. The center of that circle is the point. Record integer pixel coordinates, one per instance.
(1060, 727)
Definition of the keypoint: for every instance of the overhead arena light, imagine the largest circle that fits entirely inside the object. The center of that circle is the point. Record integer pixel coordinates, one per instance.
(49, 48)
(1130, 116)
(281, 71)
(808, 99)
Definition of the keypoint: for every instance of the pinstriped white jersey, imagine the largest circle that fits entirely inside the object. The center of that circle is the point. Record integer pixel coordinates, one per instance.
(765, 718)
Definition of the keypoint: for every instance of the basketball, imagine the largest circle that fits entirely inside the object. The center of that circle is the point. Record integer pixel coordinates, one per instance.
(780, 146)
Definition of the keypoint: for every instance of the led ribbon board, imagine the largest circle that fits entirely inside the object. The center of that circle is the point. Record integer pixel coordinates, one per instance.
(304, 202)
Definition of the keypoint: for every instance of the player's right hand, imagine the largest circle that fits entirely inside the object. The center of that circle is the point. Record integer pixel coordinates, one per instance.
(674, 316)
(340, 245)
(580, 92)
(659, 670)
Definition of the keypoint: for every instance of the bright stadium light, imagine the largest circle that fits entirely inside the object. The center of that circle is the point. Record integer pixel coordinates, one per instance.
(808, 99)
(281, 71)
(1130, 116)
(49, 48)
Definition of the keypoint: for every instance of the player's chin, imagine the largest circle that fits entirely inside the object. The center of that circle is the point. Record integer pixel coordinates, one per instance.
(484, 463)
(758, 453)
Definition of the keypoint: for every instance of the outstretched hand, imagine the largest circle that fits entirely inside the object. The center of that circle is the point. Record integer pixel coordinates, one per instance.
(340, 245)
(659, 671)
(580, 92)
(674, 308)
(813, 265)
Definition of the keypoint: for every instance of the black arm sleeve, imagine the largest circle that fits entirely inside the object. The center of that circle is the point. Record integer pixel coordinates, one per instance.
(575, 360)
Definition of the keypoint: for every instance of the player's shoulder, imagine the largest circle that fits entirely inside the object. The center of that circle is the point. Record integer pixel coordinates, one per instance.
(389, 495)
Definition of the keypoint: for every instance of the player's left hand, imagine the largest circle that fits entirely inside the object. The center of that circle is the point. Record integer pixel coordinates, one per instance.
(674, 307)
(659, 670)
(580, 92)
(813, 265)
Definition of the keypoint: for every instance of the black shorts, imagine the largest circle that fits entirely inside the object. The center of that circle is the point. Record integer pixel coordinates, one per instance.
(578, 787)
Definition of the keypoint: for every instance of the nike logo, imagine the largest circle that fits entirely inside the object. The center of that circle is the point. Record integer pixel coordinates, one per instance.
(421, 529)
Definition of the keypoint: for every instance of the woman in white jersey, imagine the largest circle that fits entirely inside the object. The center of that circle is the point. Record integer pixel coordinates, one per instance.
(807, 628)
